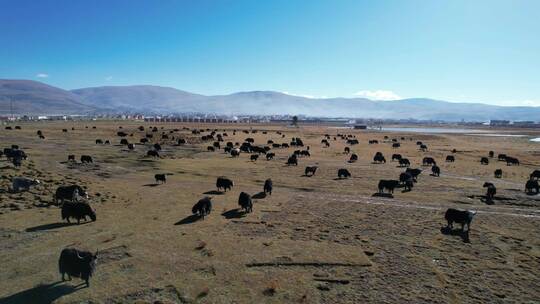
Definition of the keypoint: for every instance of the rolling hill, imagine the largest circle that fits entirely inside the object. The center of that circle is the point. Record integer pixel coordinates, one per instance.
(35, 98)
(31, 97)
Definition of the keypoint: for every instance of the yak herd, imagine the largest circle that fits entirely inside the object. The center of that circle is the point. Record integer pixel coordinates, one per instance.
(72, 198)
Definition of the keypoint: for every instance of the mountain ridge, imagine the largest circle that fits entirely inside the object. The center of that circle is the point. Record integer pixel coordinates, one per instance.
(33, 97)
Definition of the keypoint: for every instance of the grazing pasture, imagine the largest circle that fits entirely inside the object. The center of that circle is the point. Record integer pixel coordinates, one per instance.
(316, 239)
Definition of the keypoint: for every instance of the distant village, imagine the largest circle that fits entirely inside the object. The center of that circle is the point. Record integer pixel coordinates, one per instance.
(277, 119)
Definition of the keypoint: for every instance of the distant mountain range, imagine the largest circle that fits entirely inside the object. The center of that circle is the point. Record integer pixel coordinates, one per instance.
(32, 97)
(36, 98)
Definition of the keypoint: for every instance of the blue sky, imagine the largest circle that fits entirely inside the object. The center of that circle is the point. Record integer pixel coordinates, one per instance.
(481, 51)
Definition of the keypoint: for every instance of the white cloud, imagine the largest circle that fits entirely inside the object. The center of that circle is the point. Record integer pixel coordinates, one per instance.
(42, 75)
(108, 78)
(378, 95)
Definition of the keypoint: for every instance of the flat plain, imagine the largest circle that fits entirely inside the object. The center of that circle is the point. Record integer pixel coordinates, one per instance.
(316, 239)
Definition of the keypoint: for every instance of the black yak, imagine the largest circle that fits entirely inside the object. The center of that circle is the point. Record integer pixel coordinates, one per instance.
(379, 158)
(86, 159)
(406, 180)
(77, 211)
(396, 157)
(484, 161)
(388, 184)
(531, 185)
(152, 153)
(404, 162)
(310, 170)
(245, 202)
(292, 160)
(224, 183)
(428, 161)
(498, 173)
(535, 174)
(343, 173)
(463, 217)
(491, 191)
(267, 188)
(76, 263)
(414, 173)
(235, 152)
(305, 153)
(203, 207)
(450, 158)
(512, 161)
(435, 170)
(160, 178)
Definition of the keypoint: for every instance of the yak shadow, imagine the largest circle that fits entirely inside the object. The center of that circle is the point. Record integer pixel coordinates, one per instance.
(378, 194)
(233, 213)
(214, 192)
(531, 193)
(190, 219)
(151, 185)
(44, 293)
(259, 195)
(485, 199)
(146, 160)
(457, 232)
(52, 226)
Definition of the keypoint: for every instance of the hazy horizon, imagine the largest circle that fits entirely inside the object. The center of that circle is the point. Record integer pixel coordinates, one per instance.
(286, 93)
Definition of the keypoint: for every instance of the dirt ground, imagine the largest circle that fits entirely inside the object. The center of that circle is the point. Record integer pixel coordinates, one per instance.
(316, 239)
